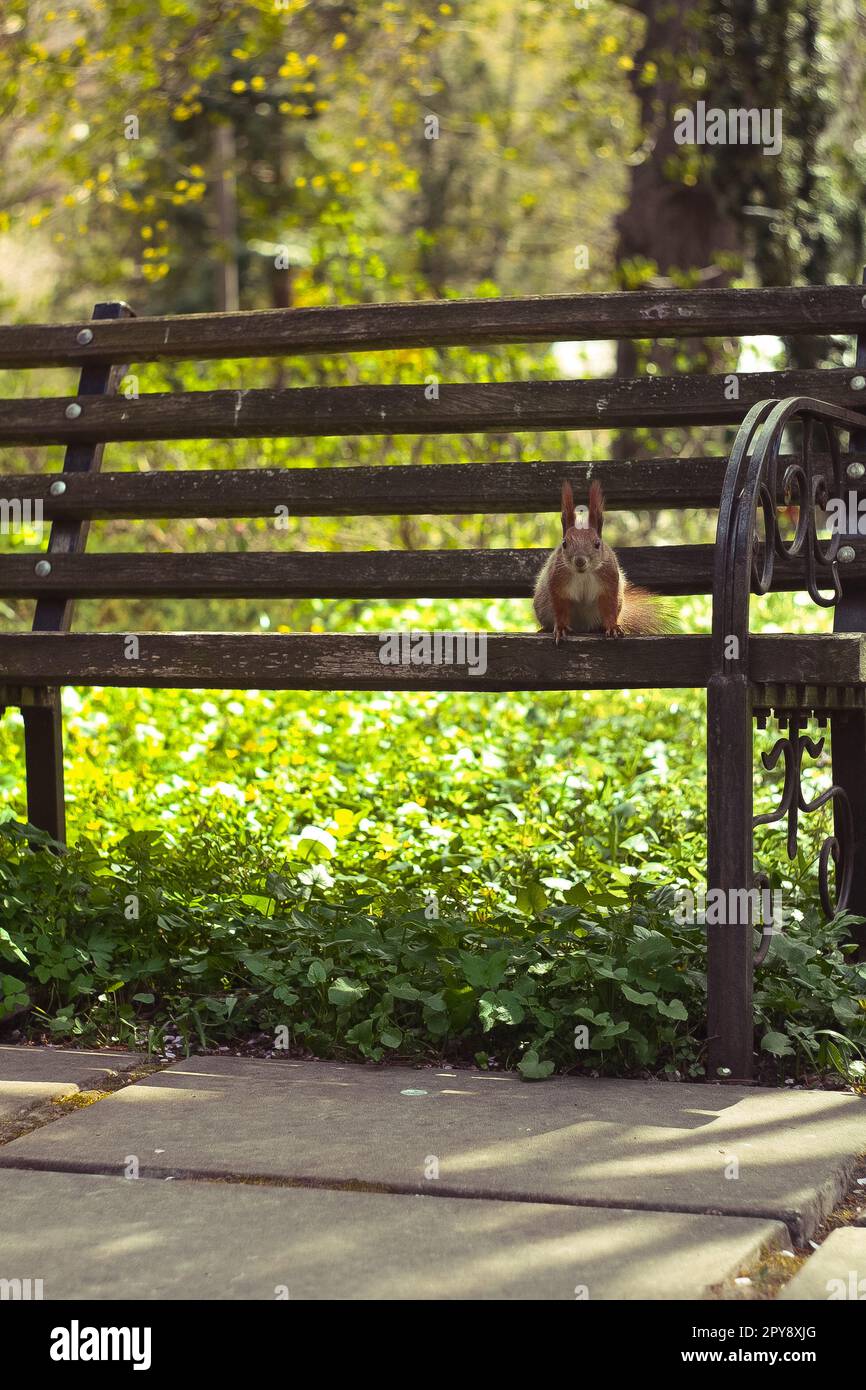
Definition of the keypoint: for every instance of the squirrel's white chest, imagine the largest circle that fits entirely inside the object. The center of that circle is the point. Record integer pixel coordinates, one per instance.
(584, 589)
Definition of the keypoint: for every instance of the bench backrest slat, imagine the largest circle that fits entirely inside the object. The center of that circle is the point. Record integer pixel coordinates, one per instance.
(460, 489)
(489, 407)
(832, 309)
(667, 569)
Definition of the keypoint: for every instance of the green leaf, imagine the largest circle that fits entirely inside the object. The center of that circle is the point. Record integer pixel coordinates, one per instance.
(637, 997)
(256, 900)
(361, 1034)
(403, 990)
(531, 1069)
(343, 993)
(777, 1043)
(500, 1006)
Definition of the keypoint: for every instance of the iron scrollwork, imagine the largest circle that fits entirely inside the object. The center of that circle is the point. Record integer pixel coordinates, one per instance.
(838, 847)
(757, 483)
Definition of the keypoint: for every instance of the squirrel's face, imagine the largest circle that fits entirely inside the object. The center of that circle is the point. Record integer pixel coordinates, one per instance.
(582, 547)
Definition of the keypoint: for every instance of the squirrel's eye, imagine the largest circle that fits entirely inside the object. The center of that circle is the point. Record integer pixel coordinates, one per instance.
(563, 545)
(598, 545)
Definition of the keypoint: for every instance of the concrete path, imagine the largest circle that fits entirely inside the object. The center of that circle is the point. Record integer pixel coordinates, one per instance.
(837, 1271)
(352, 1182)
(30, 1075)
(105, 1238)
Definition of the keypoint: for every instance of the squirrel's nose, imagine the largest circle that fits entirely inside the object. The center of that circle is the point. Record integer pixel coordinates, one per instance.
(580, 562)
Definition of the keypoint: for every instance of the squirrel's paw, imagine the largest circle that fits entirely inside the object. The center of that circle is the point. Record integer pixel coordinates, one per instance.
(615, 631)
(559, 632)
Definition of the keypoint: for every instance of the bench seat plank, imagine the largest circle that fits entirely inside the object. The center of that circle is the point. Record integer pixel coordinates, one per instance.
(515, 661)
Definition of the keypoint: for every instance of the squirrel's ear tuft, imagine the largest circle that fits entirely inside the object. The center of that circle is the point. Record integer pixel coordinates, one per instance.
(567, 507)
(596, 507)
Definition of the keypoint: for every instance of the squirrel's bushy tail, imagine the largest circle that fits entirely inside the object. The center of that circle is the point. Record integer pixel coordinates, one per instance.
(644, 614)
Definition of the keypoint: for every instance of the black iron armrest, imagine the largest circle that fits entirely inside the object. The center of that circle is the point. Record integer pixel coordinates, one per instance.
(752, 488)
(743, 564)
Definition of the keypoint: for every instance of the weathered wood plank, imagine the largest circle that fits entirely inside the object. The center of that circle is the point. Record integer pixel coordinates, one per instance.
(302, 661)
(425, 489)
(493, 407)
(667, 569)
(474, 322)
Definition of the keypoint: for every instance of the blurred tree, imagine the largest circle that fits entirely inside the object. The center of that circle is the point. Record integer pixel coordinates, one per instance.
(707, 213)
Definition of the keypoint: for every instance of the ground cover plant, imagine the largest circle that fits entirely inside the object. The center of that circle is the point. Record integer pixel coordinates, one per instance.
(483, 878)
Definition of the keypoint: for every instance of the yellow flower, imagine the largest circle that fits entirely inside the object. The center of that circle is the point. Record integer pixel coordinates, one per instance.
(239, 86)
(340, 41)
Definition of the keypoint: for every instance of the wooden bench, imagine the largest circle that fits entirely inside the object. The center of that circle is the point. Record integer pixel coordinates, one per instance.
(813, 417)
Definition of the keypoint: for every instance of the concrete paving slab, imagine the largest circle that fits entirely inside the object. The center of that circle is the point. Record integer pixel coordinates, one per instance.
(29, 1075)
(109, 1238)
(681, 1147)
(836, 1272)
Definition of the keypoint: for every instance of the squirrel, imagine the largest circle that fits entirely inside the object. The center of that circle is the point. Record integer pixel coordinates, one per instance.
(582, 588)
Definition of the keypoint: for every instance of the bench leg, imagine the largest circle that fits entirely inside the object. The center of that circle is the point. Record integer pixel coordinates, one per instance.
(848, 744)
(848, 749)
(730, 1023)
(43, 756)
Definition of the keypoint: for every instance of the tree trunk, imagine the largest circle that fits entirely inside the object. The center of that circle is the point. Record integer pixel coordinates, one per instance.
(226, 202)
